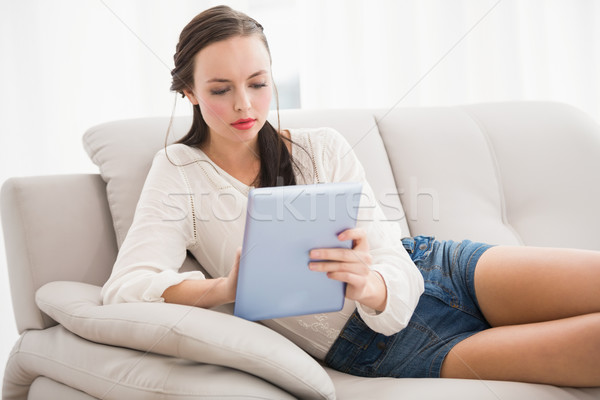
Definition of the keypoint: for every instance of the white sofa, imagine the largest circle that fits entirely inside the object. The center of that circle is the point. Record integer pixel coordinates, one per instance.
(504, 173)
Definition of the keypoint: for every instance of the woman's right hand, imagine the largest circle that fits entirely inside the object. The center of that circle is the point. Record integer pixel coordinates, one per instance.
(206, 293)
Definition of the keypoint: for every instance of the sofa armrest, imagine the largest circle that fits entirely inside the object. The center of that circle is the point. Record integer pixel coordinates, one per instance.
(55, 228)
(186, 332)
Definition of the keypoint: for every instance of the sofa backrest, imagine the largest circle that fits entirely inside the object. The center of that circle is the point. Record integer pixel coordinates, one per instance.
(513, 173)
(123, 151)
(504, 173)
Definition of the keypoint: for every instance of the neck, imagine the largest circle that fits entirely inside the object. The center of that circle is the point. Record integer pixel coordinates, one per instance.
(234, 153)
(240, 160)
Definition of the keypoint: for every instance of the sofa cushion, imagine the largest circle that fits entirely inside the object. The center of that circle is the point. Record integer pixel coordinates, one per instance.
(77, 366)
(504, 173)
(356, 387)
(123, 152)
(185, 332)
(360, 129)
(449, 177)
(547, 158)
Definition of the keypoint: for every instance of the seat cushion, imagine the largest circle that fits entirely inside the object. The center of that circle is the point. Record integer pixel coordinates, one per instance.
(43, 388)
(350, 387)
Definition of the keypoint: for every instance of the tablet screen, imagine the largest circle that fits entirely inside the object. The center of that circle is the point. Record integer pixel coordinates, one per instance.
(282, 225)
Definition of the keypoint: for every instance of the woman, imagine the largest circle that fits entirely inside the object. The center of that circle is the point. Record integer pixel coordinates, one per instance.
(420, 307)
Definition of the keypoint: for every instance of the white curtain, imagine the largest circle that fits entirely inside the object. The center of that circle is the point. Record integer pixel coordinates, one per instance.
(389, 53)
(69, 64)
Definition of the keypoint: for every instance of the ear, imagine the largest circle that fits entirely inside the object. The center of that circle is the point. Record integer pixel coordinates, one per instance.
(191, 97)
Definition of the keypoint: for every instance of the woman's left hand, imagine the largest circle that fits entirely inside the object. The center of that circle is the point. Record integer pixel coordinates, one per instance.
(353, 267)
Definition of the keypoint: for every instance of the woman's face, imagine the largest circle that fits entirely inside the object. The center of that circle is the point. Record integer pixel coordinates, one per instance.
(232, 85)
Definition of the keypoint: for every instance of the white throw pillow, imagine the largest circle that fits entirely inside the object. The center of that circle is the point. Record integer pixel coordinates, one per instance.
(186, 332)
(123, 152)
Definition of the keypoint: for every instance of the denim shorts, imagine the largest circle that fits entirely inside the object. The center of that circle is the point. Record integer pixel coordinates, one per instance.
(447, 313)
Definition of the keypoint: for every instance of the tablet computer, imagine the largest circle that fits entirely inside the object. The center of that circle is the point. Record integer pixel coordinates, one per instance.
(283, 224)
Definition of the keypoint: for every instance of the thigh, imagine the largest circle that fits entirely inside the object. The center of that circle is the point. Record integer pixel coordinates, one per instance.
(562, 352)
(517, 285)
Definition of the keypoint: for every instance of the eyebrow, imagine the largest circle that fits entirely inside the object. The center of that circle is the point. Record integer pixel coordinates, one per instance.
(262, 71)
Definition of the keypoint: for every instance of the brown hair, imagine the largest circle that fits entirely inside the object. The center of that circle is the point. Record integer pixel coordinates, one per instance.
(213, 25)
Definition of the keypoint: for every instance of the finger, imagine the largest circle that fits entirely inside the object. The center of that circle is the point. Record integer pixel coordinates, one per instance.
(355, 283)
(342, 255)
(332, 266)
(333, 254)
(358, 236)
(236, 262)
(238, 256)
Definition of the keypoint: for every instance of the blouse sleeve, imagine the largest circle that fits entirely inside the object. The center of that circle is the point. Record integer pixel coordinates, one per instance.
(156, 243)
(403, 280)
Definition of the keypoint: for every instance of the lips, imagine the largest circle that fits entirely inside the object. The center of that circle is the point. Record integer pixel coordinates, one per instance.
(244, 124)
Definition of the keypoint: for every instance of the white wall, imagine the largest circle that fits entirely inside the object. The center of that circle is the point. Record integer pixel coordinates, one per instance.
(68, 64)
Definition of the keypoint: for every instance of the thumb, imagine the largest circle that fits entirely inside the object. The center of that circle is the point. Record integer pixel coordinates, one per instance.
(236, 262)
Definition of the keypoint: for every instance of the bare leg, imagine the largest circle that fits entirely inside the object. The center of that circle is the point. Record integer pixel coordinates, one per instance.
(519, 285)
(517, 288)
(564, 352)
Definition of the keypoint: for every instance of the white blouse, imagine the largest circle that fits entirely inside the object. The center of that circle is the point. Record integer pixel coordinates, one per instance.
(189, 203)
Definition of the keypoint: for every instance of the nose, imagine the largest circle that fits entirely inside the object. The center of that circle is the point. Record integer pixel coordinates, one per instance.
(242, 101)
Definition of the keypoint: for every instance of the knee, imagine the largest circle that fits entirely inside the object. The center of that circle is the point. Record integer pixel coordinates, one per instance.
(595, 326)
(587, 333)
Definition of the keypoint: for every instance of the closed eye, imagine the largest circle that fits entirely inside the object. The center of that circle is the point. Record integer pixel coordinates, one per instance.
(219, 91)
(225, 90)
